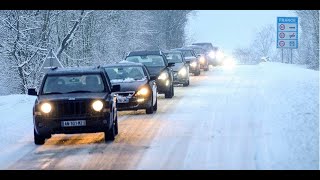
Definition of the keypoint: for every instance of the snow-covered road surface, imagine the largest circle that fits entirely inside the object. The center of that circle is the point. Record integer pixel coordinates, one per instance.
(262, 116)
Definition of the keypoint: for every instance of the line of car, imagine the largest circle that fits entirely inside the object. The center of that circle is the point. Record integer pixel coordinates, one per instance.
(87, 99)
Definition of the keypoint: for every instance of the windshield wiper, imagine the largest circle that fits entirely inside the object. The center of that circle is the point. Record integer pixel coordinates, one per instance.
(52, 93)
(79, 91)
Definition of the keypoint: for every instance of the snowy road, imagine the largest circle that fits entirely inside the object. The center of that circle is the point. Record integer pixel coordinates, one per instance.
(252, 117)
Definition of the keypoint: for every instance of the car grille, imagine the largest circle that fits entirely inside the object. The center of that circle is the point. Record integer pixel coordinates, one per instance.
(71, 109)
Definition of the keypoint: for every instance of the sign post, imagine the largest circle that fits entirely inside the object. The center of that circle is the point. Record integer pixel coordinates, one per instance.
(287, 34)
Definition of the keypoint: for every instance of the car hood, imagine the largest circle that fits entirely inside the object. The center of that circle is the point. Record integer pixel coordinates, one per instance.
(72, 96)
(177, 67)
(155, 71)
(131, 86)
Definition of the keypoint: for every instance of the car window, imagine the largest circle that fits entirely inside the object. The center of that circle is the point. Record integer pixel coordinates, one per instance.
(187, 54)
(147, 60)
(125, 74)
(174, 57)
(63, 84)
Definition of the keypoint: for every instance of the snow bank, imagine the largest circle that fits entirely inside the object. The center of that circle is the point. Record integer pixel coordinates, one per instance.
(16, 127)
(291, 94)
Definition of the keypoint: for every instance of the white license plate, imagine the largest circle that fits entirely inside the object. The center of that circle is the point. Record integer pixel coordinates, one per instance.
(73, 123)
(123, 100)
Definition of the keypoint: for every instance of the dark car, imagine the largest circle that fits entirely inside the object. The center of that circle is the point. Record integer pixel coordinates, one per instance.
(75, 100)
(212, 53)
(159, 68)
(138, 90)
(203, 58)
(180, 68)
(190, 56)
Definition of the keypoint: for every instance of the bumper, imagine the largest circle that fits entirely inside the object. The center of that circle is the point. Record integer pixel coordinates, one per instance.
(178, 79)
(46, 126)
(133, 104)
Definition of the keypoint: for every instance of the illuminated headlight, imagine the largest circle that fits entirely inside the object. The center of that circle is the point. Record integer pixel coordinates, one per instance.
(143, 91)
(212, 54)
(193, 64)
(220, 55)
(97, 105)
(163, 76)
(46, 108)
(202, 60)
(183, 72)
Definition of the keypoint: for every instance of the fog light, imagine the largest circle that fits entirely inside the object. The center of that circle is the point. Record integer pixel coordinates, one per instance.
(167, 83)
(140, 100)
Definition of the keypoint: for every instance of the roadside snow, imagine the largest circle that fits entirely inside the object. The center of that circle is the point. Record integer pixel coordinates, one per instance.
(16, 127)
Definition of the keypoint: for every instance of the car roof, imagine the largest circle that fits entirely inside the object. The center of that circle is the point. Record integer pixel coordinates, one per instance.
(194, 47)
(145, 52)
(74, 70)
(202, 43)
(182, 49)
(124, 63)
(173, 51)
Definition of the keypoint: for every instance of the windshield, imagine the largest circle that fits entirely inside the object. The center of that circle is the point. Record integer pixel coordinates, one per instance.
(73, 83)
(199, 51)
(174, 57)
(125, 74)
(148, 60)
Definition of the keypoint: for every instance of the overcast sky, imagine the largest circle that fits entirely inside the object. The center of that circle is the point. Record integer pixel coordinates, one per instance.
(230, 29)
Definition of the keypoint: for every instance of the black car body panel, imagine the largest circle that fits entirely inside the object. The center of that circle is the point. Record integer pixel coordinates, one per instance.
(164, 86)
(71, 108)
(127, 96)
(190, 56)
(178, 78)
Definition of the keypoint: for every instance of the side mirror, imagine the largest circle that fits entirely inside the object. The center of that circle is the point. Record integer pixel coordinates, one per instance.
(153, 78)
(32, 92)
(170, 64)
(115, 88)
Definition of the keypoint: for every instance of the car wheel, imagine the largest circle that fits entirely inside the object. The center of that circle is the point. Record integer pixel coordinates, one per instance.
(155, 107)
(109, 135)
(116, 124)
(186, 84)
(38, 140)
(170, 93)
(197, 73)
(149, 110)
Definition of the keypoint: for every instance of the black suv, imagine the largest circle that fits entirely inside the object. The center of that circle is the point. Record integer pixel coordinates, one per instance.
(75, 100)
(159, 68)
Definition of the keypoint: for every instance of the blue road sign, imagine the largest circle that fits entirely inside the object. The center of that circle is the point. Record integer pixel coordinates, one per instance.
(287, 32)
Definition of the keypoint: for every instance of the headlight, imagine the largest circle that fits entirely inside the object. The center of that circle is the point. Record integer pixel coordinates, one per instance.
(143, 91)
(163, 76)
(97, 105)
(46, 108)
(183, 71)
(212, 54)
(202, 60)
(193, 64)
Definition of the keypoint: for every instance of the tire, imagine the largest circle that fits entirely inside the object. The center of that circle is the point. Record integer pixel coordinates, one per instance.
(170, 93)
(110, 134)
(155, 107)
(197, 73)
(116, 124)
(206, 69)
(186, 84)
(38, 140)
(149, 110)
